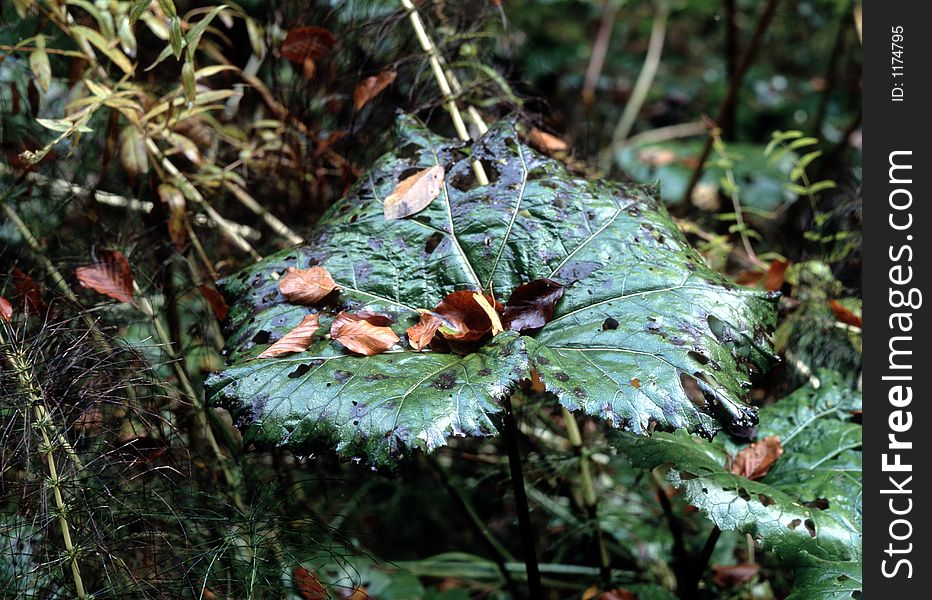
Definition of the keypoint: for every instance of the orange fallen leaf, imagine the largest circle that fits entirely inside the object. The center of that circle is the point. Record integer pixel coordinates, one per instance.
(296, 340)
(306, 286)
(546, 142)
(215, 300)
(776, 275)
(465, 324)
(727, 576)
(748, 277)
(755, 460)
(843, 314)
(6, 310)
(372, 86)
(364, 333)
(110, 275)
(308, 585)
(414, 193)
(421, 333)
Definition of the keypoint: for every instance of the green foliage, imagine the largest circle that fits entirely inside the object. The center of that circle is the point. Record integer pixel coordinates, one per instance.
(639, 309)
(807, 508)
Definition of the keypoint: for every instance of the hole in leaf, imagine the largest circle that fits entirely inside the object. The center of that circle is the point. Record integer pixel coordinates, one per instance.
(692, 390)
(818, 504)
(609, 323)
(299, 371)
(432, 242)
(699, 358)
(810, 527)
(794, 524)
(765, 499)
(743, 494)
(261, 337)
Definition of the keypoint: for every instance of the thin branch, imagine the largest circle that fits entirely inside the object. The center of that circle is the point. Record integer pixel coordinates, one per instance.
(732, 95)
(641, 86)
(510, 434)
(433, 57)
(600, 50)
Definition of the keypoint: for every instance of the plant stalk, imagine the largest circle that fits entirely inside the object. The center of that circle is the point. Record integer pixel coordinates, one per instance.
(590, 501)
(510, 434)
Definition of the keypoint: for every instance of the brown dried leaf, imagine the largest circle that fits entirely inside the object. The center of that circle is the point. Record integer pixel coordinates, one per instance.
(843, 314)
(546, 142)
(296, 340)
(414, 193)
(365, 333)
(755, 461)
(464, 323)
(728, 576)
(110, 275)
(372, 86)
(308, 585)
(215, 301)
(6, 310)
(531, 305)
(27, 288)
(304, 43)
(776, 275)
(618, 594)
(306, 286)
(177, 215)
(421, 333)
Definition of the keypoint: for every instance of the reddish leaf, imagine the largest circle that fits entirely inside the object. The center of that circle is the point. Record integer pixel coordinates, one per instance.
(296, 340)
(6, 310)
(728, 576)
(364, 333)
(531, 305)
(370, 87)
(755, 461)
(421, 333)
(414, 193)
(304, 43)
(110, 275)
(748, 277)
(308, 585)
(28, 290)
(306, 286)
(465, 324)
(776, 275)
(215, 300)
(843, 314)
(546, 142)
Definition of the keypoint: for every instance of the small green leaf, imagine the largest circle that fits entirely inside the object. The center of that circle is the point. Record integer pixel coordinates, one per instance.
(188, 81)
(194, 34)
(98, 41)
(39, 63)
(63, 126)
(175, 37)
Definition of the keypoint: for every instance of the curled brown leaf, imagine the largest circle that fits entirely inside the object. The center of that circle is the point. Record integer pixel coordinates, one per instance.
(413, 194)
(308, 585)
(546, 142)
(215, 300)
(296, 340)
(372, 86)
(755, 461)
(776, 275)
(306, 286)
(727, 576)
(110, 275)
(531, 305)
(421, 333)
(302, 43)
(364, 333)
(29, 290)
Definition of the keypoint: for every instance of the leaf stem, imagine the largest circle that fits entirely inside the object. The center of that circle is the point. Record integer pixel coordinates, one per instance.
(590, 501)
(510, 434)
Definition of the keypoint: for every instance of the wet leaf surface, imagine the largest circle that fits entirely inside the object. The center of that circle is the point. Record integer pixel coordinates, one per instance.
(638, 304)
(807, 508)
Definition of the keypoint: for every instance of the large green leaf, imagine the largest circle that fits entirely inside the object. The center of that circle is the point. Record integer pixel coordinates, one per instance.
(639, 308)
(807, 509)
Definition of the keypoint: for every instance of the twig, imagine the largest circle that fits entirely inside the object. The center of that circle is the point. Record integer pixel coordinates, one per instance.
(433, 57)
(588, 489)
(271, 220)
(732, 95)
(665, 134)
(702, 563)
(191, 193)
(510, 434)
(500, 552)
(642, 85)
(600, 50)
